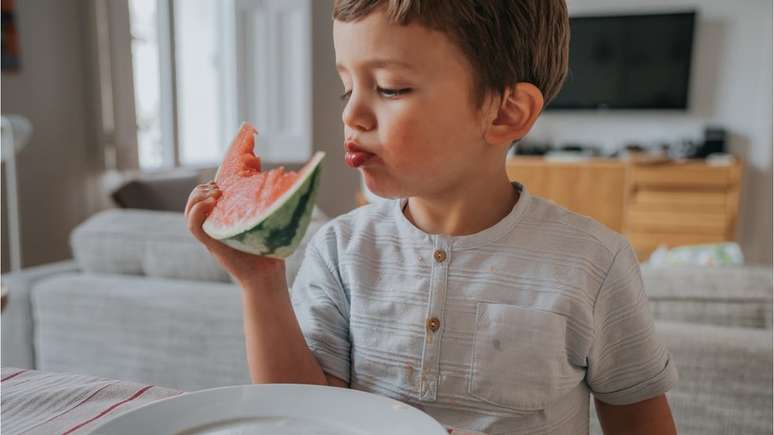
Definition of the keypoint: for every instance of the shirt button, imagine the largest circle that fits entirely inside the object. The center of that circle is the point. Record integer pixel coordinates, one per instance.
(439, 255)
(433, 324)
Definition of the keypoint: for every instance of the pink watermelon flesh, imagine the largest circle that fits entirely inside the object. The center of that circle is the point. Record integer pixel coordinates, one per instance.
(246, 191)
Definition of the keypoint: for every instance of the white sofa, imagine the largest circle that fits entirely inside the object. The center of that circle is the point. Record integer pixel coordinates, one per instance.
(143, 301)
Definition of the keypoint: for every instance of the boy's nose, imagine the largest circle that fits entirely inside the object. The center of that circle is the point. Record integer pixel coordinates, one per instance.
(357, 115)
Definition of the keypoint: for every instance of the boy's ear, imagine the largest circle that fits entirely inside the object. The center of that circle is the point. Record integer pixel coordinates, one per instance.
(518, 110)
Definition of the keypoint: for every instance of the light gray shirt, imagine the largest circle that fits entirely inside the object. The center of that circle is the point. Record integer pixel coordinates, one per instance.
(505, 331)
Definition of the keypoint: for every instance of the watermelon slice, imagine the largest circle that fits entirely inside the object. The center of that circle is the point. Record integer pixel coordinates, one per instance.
(262, 213)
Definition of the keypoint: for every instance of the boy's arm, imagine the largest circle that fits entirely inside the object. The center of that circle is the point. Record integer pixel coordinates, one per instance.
(275, 346)
(651, 416)
(628, 369)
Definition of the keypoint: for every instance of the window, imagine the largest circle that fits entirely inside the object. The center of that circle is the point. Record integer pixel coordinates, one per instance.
(143, 17)
(201, 67)
(199, 71)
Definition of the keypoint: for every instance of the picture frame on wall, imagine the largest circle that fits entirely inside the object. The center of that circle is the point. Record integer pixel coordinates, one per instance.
(10, 39)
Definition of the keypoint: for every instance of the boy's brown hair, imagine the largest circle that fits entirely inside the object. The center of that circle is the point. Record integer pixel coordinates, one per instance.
(505, 41)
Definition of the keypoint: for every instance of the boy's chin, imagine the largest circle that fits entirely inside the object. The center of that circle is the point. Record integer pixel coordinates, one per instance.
(378, 189)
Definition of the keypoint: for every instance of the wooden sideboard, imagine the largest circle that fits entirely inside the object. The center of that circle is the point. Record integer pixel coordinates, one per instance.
(672, 203)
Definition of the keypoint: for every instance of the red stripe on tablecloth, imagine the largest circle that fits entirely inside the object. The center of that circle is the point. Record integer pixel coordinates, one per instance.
(79, 404)
(114, 406)
(13, 375)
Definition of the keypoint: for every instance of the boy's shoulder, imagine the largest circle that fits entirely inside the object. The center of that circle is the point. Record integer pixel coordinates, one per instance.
(544, 222)
(562, 223)
(365, 215)
(370, 219)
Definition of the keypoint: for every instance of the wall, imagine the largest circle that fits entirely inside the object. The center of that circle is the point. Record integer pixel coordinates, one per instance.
(731, 86)
(57, 89)
(339, 182)
(52, 90)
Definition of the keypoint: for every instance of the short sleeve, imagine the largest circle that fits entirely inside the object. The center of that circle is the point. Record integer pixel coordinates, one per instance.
(322, 309)
(626, 364)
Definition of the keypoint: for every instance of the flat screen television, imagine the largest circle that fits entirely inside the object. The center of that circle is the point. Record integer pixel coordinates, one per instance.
(628, 62)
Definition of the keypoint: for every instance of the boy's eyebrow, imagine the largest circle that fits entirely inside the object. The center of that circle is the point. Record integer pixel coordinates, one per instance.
(380, 64)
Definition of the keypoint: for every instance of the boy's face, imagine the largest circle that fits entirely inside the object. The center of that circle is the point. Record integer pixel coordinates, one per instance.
(409, 103)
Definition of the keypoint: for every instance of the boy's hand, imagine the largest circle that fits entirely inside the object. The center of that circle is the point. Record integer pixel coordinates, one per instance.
(249, 271)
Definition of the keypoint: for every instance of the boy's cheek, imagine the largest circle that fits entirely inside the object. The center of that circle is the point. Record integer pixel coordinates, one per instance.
(397, 142)
(408, 152)
(411, 131)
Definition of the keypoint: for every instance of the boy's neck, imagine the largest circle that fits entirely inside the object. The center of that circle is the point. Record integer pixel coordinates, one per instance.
(468, 209)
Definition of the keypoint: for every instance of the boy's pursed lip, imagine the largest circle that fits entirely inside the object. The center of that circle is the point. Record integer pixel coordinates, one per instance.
(354, 147)
(356, 156)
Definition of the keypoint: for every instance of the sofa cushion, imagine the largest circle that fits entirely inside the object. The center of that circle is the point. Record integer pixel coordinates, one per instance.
(156, 244)
(173, 333)
(720, 296)
(142, 242)
(17, 323)
(725, 384)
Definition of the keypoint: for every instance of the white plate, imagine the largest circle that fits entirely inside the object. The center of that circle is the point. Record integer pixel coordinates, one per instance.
(277, 409)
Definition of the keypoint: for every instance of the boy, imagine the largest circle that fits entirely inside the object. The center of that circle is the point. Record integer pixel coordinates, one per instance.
(487, 308)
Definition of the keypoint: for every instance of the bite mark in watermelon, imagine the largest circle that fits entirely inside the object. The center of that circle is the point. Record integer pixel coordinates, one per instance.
(262, 213)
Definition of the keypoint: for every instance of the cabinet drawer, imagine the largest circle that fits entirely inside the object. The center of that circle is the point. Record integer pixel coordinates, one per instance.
(679, 201)
(646, 221)
(688, 175)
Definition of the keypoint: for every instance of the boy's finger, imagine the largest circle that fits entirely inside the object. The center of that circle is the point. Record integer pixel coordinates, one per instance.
(196, 217)
(198, 214)
(200, 193)
(196, 195)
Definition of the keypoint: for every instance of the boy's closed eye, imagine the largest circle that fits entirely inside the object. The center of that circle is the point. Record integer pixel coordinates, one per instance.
(384, 92)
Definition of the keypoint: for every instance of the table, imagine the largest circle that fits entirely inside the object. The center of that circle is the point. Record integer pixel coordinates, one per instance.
(37, 403)
(43, 403)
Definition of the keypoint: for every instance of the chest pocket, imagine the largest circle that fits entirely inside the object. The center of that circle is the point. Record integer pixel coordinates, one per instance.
(519, 357)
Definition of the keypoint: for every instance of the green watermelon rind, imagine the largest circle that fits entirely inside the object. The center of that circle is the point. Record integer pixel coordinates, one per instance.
(278, 232)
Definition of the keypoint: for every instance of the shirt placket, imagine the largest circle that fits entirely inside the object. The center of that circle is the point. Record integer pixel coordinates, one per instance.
(441, 256)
